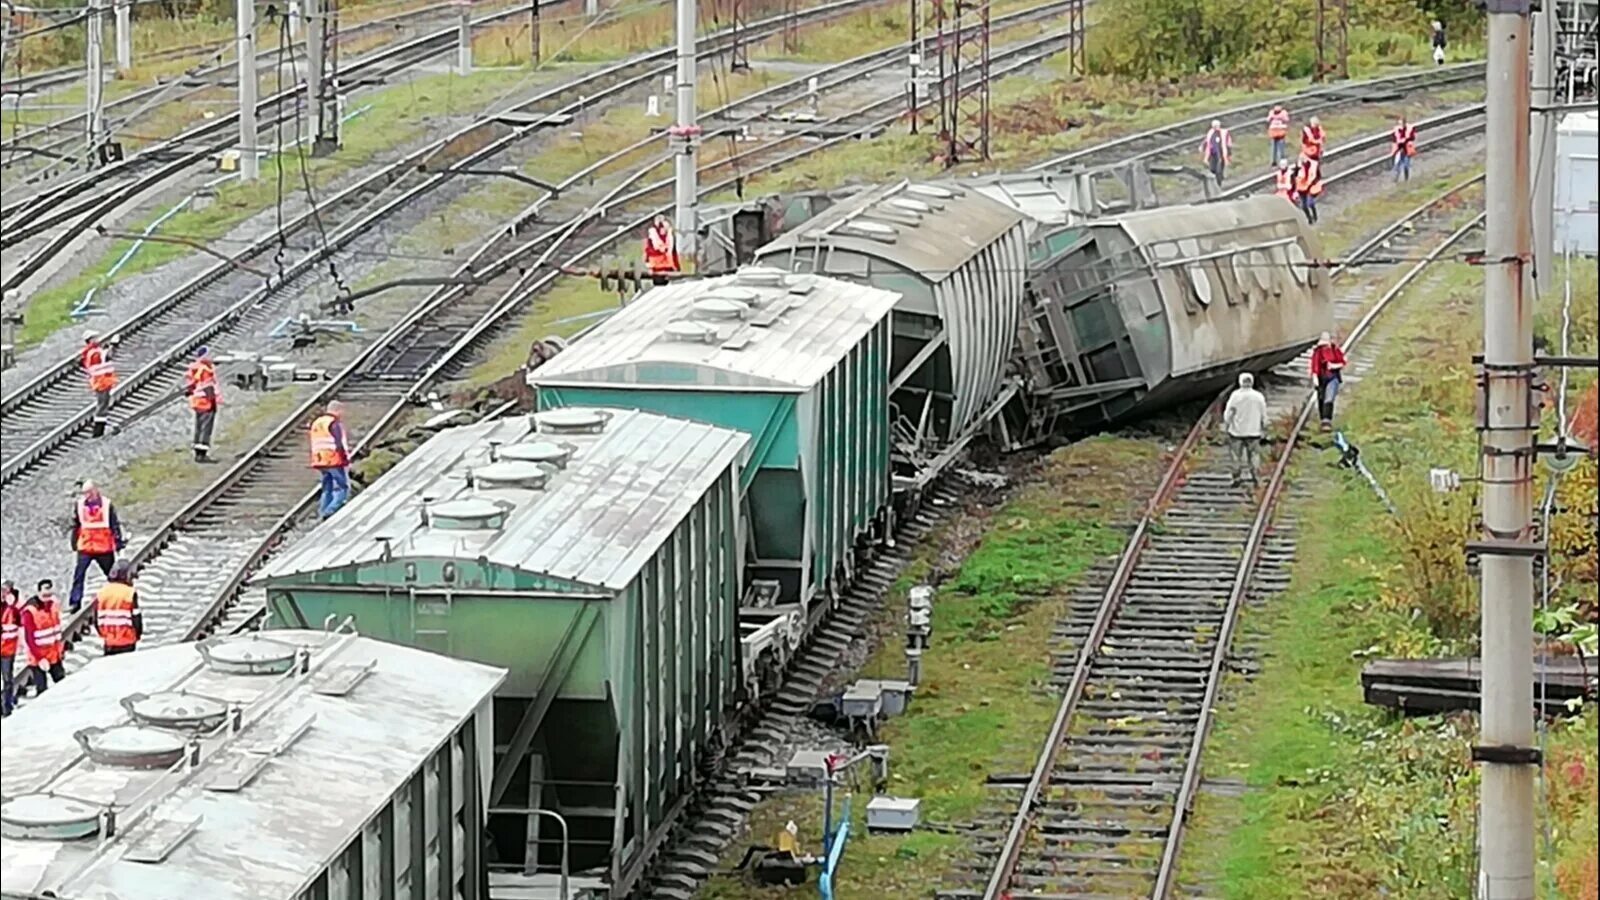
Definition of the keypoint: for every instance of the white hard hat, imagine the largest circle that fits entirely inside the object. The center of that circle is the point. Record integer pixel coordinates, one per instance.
(1283, 163)
(90, 334)
(1216, 123)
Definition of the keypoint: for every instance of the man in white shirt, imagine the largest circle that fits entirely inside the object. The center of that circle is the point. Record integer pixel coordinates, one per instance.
(1245, 420)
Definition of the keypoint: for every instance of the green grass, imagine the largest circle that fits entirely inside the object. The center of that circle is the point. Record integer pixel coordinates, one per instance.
(1344, 799)
(398, 115)
(983, 705)
(158, 477)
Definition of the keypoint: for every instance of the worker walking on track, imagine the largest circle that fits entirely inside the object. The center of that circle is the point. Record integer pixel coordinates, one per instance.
(96, 536)
(1404, 137)
(1312, 139)
(10, 637)
(1217, 149)
(116, 612)
(1308, 186)
(102, 372)
(330, 456)
(660, 250)
(1278, 132)
(1327, 373)
(200, 385)
(1245, 421)
(41, 633)
(1283, 181)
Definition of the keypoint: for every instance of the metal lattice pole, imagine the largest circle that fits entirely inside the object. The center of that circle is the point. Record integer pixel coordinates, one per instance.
(739, 53)
(1077, 61)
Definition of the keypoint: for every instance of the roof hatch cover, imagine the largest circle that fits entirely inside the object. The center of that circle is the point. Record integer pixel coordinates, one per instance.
(572, 421)
(248, 654)
(176, 709)
(546, 452)
(473, 513)
(506, 475)
(690, 331)
(47, 817)
(719, 308)
(132, 746)
(761, 276)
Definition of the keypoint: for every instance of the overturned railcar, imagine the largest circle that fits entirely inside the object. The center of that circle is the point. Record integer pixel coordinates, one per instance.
(1130, 313)
(958, 259)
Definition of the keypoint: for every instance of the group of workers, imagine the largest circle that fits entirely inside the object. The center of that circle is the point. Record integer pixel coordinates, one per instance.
(199, 386)
(33, 627)
(1244, 419)
(1300, 181)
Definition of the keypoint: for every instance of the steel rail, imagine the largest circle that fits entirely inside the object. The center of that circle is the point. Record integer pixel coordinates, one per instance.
(439, 300)
(1189, 786)
(1111, 601)
(20, 461)
(206, 68)
(1325, 97)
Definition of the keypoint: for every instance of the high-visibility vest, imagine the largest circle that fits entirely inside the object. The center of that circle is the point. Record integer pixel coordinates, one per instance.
(1311, 141)
(325, 452)
(113, 615)
(10, 630)
(94, 527)
(101, 370)
(45, 623)
(660, 249)
(1405, 140)
(1224, 144)
(202, 375)
(1310, 178)
(1284, 185)
(1278, 124)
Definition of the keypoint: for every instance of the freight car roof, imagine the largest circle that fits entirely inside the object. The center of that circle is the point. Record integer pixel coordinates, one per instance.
(317, 753)
(1052, 198)
(930, 229)
(579, 495)
(1202, 220)
(759, 328)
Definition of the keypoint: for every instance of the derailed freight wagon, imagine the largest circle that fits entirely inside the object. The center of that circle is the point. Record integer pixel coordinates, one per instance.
(302, 765)
(958, 260)
(800, 363)
(596, 555)
(1130, 313)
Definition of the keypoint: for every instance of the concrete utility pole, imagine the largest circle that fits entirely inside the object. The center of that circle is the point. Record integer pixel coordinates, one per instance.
(591, 9)
(316, 67)
(685, 136)
(124, 10)
(249, 166)
(95, 121)
(1506, 549)
(464, 37)
(1544, 149)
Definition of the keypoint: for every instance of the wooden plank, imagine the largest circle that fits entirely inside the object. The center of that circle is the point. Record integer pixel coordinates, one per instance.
(1564, 673)
(1421, 700)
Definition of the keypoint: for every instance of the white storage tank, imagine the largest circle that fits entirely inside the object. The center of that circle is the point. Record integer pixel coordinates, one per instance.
(1578, 184)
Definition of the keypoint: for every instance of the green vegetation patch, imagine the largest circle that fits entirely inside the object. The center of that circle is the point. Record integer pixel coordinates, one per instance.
(1345, 799)
(983, 706)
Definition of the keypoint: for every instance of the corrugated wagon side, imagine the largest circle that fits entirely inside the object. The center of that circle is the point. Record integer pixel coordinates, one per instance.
(800, 363)
(959, 261)
(593, 553)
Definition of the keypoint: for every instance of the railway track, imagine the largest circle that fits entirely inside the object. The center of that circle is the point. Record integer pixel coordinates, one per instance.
(58, 215)
(1179, 137)
(61, 140)
(49, 415)
(1103, 813)
(193, 569)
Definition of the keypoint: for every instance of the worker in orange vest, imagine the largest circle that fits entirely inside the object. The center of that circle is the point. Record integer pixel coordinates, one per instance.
(200, 384)
(1217, 149)
(96, 536)
(1283, 181)
(330, 456)
(1312, 139)
(660, 248)
(116, 612)
(1308, 186)
(10, 633)
(102, 372)
(41, 633)
(1404, 137)
(1278, 131)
